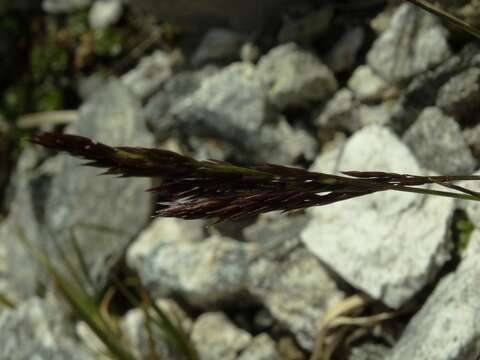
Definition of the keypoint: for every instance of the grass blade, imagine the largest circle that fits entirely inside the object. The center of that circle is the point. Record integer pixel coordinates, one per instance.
(447, 16)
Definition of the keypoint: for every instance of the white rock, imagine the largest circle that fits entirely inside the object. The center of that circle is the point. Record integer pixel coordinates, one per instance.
(438, 143)
(414, 42)
(343, 55)
(387, 244)
(295, 77)
(366, 85)
(151, 72)
(215, 337)
(448, 325)
(104, 13)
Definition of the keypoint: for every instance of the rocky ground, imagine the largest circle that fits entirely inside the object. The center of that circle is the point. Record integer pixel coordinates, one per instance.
(330, 86)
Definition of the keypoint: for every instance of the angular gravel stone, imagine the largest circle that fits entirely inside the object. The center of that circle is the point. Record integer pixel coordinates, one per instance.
(151, 72)
(424, 89)
(366, 85)
(104, 13)
(458, 97)
(262, 347)
(175, 90)
(388, 244)
(295, 288)
(295, 77)
(447, 327)
(218, 46)
(438, 143)
(202, 272)
(231, 106)
(343, 55)
(414, 43)
(216, 338)
(32, 331)
(340, 112)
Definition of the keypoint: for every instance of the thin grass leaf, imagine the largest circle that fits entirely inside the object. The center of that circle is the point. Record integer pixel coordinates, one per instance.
(81, 259)
(192, 189)
(80, 302)
(68, 264)
(6, 302)
(447, 16)
(174, 332)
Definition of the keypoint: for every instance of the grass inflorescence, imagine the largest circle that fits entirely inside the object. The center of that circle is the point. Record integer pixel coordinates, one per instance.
(193, 189)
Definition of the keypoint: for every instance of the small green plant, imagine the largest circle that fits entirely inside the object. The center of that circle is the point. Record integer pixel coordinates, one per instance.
(465, 228)
(86, 308)
(194, 189)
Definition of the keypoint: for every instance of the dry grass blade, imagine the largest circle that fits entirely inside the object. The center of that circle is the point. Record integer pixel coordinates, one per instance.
(193, 189)
(447, 16)
(6, 302)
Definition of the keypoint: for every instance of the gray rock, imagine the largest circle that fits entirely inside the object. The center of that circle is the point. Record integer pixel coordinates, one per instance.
(366, 85)
(62, 207)
(307, 28)
(28, 189)
(134, 327)
(168, 263)
(32, 331)
(151, 72)
(295, 288)
(345, 112)
(369, 115)
(423, 90)
(231, 106)
(64, 6)
(438, 143)
(447, 326)
(295, 77)
(388, 244)
(218, 46)
(273, 230)
(231, 102)
(369, 351)
(414, 43)
(249, 52)
(343, 55)
(458, 97)
(176, 89)
(262, 347)
(104, 13)
(168, 230)
(216, 338)
(281, 144)
(340, 112)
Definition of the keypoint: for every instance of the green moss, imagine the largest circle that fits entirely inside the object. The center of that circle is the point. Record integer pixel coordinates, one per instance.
(47, 98)
(108, 42)
(77, 23)
(13, 100)
(465, 228)
(47, 59)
